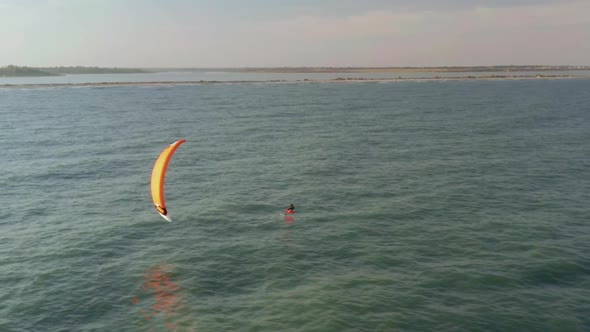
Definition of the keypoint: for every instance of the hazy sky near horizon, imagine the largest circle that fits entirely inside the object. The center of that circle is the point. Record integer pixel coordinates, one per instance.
(274, 33)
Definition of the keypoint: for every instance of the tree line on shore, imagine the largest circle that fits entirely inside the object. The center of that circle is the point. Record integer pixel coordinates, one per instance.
(23, 71)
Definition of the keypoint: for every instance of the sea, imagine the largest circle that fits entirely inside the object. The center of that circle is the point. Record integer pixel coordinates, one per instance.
(420, 205)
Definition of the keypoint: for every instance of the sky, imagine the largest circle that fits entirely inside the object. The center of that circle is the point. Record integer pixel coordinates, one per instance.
(294, 33)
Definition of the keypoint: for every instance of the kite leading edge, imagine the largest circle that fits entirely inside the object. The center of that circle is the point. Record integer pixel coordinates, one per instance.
(158, 177)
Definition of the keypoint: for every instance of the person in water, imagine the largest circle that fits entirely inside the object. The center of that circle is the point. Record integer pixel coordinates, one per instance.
(291, 208)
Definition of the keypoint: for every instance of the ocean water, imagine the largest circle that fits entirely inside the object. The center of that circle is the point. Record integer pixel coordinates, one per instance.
(420, 206)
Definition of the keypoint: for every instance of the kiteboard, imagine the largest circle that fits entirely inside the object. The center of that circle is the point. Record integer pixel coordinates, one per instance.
(290, 211)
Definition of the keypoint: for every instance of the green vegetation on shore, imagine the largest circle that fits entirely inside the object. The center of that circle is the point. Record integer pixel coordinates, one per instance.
(90, 70)
(18, 71)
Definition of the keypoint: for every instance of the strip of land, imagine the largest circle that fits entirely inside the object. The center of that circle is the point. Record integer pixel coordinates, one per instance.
(17, 71)
(334, 80)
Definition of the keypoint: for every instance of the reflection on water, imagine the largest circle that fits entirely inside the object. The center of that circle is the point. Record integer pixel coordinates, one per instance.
(160, 296)
(285, 235)
(289, 220)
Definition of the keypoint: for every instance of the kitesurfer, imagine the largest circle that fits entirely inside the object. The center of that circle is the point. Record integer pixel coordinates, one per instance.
(291, 208)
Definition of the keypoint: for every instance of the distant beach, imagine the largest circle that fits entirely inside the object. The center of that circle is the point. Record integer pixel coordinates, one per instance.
(334, 80)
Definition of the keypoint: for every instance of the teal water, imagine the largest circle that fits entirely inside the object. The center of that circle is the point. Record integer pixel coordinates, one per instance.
(421, 206)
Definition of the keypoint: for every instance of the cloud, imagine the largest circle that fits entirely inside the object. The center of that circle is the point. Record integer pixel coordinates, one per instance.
(295, 33)
(480, 35)
(355, 7)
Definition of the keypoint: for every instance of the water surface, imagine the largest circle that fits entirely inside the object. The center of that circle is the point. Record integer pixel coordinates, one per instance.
(421, 206)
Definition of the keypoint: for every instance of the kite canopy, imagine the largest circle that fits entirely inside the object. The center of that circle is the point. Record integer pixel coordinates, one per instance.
(158, 177)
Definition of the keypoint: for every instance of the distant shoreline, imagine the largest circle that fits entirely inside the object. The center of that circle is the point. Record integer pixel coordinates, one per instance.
(452, 69)
(23, 71)
(334, 80)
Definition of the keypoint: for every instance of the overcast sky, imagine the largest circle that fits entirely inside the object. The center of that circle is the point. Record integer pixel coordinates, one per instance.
(273, 33)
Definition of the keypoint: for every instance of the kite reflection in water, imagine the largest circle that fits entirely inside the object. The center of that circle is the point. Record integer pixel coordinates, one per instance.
(160, 298)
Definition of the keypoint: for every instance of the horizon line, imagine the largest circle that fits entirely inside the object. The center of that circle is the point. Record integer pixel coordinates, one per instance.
(296, 67)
